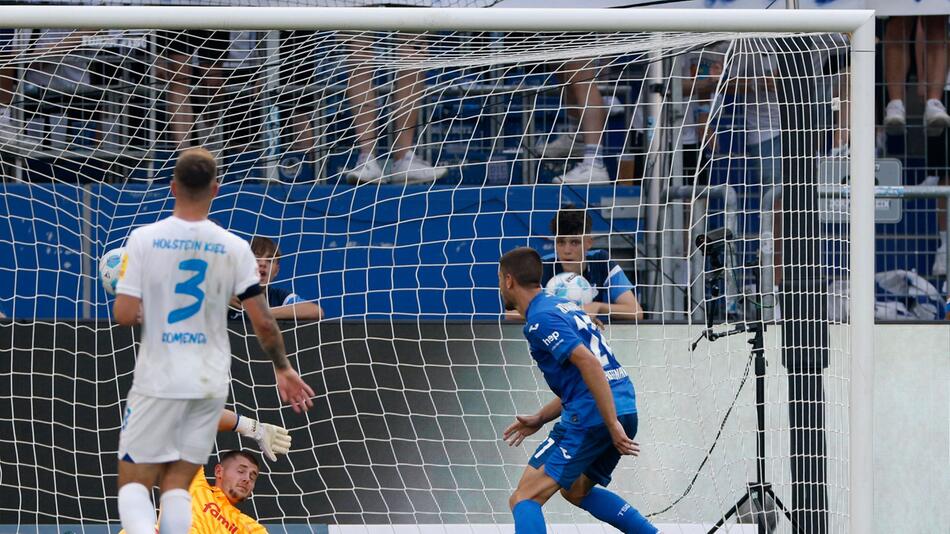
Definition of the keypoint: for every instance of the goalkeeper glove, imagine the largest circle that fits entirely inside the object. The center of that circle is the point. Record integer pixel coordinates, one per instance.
(271, 439)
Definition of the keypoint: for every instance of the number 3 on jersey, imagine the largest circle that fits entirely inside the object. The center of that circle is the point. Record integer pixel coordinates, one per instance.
(191, 288)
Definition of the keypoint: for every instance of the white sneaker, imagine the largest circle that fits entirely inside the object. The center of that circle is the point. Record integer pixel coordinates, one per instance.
(939, 267)
(895, 117)
(585, 172)
(936, 119)
(412, 169)
(366, 173)
(562, 146)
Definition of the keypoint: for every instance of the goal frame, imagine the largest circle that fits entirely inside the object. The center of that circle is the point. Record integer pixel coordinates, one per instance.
(858, 23)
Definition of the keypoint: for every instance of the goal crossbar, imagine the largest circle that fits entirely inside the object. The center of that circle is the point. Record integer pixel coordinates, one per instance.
(410, 19)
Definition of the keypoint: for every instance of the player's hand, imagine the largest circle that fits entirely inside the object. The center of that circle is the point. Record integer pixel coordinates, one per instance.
(524, 426)
(592, 310)
(622, 442)
(272, 440)
(236, 303)
(293, 390)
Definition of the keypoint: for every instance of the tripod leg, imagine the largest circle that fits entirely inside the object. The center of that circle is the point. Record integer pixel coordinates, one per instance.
(732, 511)
(778, 502)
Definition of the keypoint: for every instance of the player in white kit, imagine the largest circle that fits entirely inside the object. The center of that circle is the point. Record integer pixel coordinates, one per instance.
(181, 272)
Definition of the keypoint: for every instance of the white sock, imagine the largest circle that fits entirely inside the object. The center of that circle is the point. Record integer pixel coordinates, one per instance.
(136, 510)
(176, 512)
(363, 158)
(943, 238)
(592, 155)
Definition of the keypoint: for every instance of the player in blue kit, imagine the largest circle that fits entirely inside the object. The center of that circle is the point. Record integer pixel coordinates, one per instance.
(595, 401)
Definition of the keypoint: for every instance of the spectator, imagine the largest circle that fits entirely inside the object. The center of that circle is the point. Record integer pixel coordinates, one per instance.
(573, 244)
(185, 104)
(408, 85)
(56, 76)
(938, 169)
(284, 304)
(364, 107)
(701, 72)
(585, 104)
(7, 80)
(897, 37)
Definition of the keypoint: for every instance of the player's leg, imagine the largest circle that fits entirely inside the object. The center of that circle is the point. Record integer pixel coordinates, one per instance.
(176, 501)
(136, 511)
(193, 440)
(144, 449)
(602, 503)
(534, 489)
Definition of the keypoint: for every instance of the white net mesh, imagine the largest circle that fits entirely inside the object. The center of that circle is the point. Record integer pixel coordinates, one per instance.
(393, 170)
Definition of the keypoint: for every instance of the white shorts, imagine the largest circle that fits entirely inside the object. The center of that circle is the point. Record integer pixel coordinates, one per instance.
(158, 431)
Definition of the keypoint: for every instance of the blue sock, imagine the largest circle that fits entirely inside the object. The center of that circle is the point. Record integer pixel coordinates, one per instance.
(528, 518)
(610, 508)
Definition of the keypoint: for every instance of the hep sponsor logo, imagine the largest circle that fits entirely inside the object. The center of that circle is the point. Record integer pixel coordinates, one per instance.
(551, 338)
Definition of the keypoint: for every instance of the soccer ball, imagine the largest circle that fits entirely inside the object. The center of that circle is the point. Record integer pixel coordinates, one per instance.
(571, 286)
(110, 267)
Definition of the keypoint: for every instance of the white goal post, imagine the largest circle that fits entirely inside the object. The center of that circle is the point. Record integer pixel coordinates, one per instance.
(859, 24)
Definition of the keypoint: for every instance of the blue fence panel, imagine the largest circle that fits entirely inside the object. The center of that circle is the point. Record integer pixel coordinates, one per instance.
(375, 252)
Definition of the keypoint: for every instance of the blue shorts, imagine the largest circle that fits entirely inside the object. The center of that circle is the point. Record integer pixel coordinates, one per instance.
(571, 450)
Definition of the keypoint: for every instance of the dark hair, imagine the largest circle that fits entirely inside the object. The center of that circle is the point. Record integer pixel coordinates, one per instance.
(195, 170)
(571, 222)
(524, 265)
(264, 247)
(227, 455)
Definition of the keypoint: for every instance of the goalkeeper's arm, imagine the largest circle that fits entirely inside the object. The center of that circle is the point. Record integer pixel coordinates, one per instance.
(272, 439)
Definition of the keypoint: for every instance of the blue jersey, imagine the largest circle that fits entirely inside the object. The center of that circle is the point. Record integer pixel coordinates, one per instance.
(554, 327)
(604, 275)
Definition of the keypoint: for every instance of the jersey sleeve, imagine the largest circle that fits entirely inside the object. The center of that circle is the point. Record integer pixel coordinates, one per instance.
(292, 298)
(246, 269)
(617, 282)
(554, 333)
(199, 483)
(251, 526)
(132, 266)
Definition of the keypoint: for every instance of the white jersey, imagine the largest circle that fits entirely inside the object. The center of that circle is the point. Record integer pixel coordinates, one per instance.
(185, 273)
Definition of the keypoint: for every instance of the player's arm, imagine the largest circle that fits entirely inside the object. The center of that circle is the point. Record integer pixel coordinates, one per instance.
(128, 300)
(593, 374)
(126, 309)
(292, 388)
(625, 307)
(299, 310)
(525, 425)
(271, 439)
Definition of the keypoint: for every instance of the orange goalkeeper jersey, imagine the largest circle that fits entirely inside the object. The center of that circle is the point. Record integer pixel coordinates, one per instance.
(213, 513)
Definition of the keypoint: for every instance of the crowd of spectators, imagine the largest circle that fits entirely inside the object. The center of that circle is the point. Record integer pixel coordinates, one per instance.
(193, 68)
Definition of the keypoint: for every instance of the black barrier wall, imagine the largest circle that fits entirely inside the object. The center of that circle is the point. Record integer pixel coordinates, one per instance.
(401, 430)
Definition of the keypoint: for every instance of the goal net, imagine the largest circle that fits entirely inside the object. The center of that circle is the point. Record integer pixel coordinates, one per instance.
(392, 169)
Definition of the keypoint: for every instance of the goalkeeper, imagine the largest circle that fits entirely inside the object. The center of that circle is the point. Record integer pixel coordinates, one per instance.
(213, 509)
